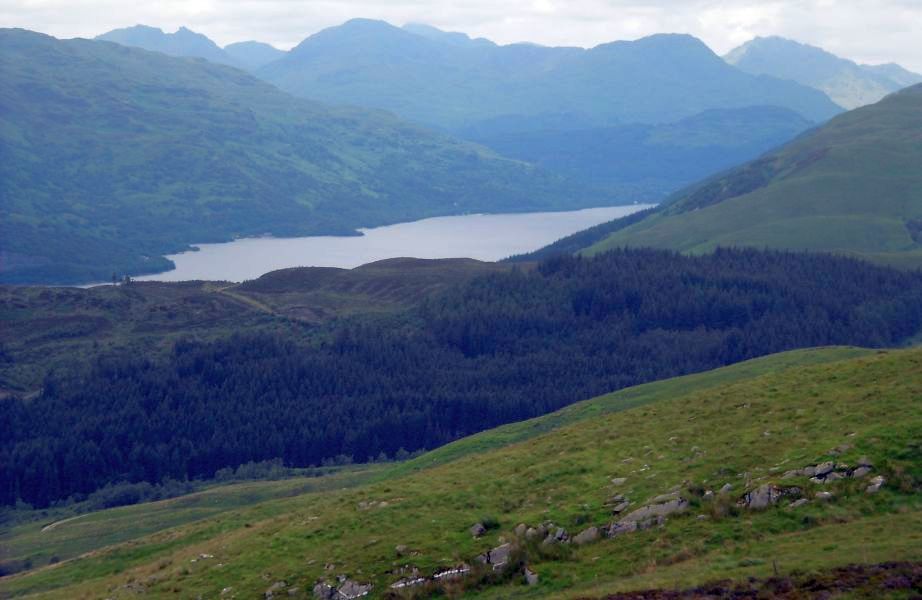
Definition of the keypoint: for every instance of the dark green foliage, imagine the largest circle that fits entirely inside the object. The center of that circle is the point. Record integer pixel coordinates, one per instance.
(496, 349)
(112, 156)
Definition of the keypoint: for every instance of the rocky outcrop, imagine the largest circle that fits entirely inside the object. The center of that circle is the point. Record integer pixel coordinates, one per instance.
(347, 590)
(767, 495)
(498, 558)
(587, 536)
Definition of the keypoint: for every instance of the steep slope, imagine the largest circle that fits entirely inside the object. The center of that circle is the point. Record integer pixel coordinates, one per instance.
(852, 186)
(849, 84)
(726, 451)
(113, 156)
(648, 162)
(430, 77)
(253, 55)
(183, 42)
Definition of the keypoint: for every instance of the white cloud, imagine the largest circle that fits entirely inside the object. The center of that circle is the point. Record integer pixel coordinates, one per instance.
(864, 30)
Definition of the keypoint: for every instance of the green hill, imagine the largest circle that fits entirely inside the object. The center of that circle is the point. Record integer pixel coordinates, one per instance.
(852, 186)
(114, 156)
(700, 444)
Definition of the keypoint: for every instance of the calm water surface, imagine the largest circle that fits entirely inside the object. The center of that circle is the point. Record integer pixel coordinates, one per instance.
(484, 237)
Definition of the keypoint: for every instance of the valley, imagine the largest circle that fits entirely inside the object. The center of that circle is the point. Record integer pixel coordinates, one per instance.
(400, 312)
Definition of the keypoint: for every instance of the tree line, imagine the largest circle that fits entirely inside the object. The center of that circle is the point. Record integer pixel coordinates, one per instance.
(500, 348)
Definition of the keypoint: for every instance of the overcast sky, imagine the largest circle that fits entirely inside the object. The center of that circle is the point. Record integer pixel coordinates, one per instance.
(871, 31)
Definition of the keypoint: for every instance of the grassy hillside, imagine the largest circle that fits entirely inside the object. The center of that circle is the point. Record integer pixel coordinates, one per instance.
(744, 426)
(113, 156)
(852, 186)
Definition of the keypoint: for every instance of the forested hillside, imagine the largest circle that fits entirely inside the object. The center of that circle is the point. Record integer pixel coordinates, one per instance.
(496, 349)
(114, 156)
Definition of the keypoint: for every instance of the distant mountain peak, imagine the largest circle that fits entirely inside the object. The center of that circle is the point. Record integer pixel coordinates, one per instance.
(183, 42)
(848, 84)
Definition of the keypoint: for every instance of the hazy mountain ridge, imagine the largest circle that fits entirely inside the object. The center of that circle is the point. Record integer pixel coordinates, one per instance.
(253, 55)
(184, 42)
(451, 85)
(848, 84)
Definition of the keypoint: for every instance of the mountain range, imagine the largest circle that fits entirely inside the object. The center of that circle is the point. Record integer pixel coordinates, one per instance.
(453, 82)
(113, 156)
(847, 83)
(851, 186)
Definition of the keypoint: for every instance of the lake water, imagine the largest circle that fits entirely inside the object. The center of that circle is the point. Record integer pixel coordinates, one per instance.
(484, 237)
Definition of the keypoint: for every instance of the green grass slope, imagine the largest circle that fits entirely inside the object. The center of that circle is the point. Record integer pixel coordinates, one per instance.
(852, 186)
(112, 156)
(744, 425)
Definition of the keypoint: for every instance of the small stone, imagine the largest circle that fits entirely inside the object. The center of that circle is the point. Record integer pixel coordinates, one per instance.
(400, 550)
(861, 472)
(293, 591)
(665, 498)
(823, 496)
(726, 489)
(702, 517)
(798, 503)
(531, 578)
(478, 530)
(619, 481)
(275, 587)
(876, 483)
(864, 461)
(521, 529)
(808, 471)
(834, 476)
(324, 591)
(620, 508)
(531, 534)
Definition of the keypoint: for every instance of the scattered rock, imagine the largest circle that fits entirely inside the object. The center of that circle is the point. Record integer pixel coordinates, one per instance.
(665, 498)
(864, 461)
(766, 495)
(662, 509)
(498, 557)
(531, 578)
(823, 496)
(798, 503)
(861, 472)
(708, 495)
(278, 586)
(350, 590)
(587, 536)
(532, 534)
(401, 550)
(324, 591)
(619, 481)
(521, 529)
(620, 508)
(824, 469)
(726, 489)
(478, 530)
(876, 483)
(621, 528)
